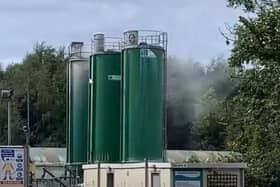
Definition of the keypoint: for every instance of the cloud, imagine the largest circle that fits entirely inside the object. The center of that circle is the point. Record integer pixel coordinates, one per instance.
(192, 25)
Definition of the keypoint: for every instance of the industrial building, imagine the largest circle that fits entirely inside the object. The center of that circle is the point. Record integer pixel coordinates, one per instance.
(202, 168)
(177, 171)
(116, 116)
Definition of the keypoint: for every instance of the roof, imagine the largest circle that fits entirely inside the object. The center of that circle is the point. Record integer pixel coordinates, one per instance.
(57, 157)
(183, 156)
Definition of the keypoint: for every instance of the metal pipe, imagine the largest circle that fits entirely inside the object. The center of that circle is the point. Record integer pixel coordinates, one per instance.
(98, 174)
(27, 131)
(146, 173)
(67, 107)
(165, 98)
(26, 170)
(123, 80)
(76, 175)
(9, 122)
(90, 110)
(89, 116)
(28, 111)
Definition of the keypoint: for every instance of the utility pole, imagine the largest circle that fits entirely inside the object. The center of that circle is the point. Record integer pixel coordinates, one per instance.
(7, 94)
(28, 112)
(9, 123)
(26, 129)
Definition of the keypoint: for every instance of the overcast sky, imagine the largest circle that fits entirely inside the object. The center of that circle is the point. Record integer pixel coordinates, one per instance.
(192, 25)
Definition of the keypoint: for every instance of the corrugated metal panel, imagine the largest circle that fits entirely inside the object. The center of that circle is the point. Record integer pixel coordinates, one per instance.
(181, 156)
(42, 155)
(48, 156)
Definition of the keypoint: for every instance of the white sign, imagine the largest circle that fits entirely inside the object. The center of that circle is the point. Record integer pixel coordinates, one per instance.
(11, 167)
(131, 38)
(147, 53)
(114, 77)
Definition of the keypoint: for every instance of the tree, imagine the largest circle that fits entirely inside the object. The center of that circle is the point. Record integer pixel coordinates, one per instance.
(254, 5)
(210, 131)
(253, 123)
(42, 73)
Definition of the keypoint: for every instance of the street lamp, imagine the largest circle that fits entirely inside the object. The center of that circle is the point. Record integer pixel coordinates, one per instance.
(7, 94)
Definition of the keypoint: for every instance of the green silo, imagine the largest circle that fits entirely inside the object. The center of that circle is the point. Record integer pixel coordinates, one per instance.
(143, 103)
(105, 102)
(77, 104)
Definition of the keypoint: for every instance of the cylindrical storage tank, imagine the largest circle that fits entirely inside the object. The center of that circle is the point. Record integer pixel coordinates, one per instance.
(143, 89)
(105, 103)
(77, 103)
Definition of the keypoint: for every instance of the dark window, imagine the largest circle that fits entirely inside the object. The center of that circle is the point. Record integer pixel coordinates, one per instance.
(221, 180)
(110, 180)
(155, 180)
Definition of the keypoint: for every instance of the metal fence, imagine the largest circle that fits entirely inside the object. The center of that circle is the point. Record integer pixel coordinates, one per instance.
(52, 181)
(222, 180)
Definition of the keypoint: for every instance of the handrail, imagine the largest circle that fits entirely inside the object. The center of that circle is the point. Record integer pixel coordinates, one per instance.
(53, 176)
(70, 171)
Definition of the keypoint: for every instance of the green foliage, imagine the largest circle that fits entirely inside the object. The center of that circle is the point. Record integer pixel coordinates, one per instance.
(210, 132)
(253, 5)
(259, 39)
(42, 72)
(254, 111)
(248, 4)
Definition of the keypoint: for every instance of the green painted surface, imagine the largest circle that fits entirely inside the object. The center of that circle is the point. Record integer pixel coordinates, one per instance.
(143, 103)
(77, 110)
(106, 128)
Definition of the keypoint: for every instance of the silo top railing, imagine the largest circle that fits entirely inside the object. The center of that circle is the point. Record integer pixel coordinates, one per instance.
(113, 44)
(79, 50)
(148, 37)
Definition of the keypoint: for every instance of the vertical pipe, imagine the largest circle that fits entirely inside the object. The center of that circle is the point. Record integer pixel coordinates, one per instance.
(9, 122)
(67, 108)
(121, 109)
(123, 66)
(89, 114)
(76, 174)
(242, 178)
(26, 150)
(92, 116)
(98, 174)
(146, 173)
(26, 161)
(165, 97)
(28, 109)
(164, 105)
(27, 140)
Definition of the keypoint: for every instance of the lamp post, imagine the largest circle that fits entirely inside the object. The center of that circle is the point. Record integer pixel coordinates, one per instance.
(7, 94)
(26, 129)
